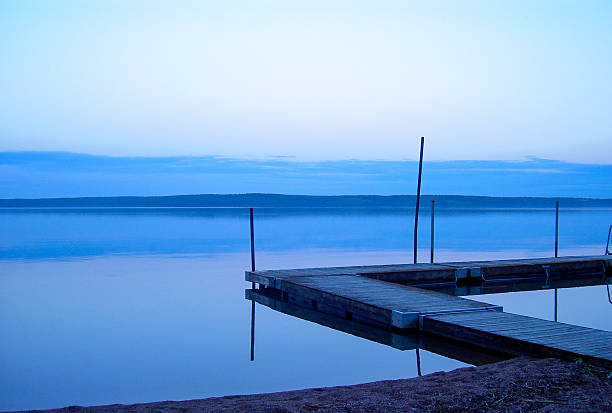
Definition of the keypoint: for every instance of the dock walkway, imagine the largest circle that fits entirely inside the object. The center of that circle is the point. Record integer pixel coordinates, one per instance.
(365, 294)
(453, 271)
(372, 301)
(516, 334)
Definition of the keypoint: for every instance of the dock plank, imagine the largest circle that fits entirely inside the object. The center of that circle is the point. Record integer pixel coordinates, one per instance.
(399, 305)
(535, 336)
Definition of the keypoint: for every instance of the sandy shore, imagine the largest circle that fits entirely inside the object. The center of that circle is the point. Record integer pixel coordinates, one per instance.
(517, 385)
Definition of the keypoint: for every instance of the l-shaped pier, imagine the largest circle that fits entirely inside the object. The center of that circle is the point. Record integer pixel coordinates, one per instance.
(392, 297)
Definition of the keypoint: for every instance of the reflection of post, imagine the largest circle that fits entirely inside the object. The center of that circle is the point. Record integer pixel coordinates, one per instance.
(555, 305)
(418, 358)
(252, 330)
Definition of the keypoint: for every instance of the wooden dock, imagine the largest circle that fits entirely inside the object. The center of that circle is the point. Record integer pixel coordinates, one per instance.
(404, 341)
(379, 296)
(461, 272)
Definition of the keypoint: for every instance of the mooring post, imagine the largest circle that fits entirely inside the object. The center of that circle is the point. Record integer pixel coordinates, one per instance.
(418, 200)
(556, 229)
(252, 243)
(418, 360)
(431, 252)
(556, 247)
(252, 284)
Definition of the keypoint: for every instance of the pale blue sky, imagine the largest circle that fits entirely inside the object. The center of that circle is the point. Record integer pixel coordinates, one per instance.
(315, 80)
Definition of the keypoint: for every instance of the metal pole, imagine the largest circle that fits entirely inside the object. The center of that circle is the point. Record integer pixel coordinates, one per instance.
(252, 243)
(418, 360)
(556, 229)
(556, 247)
(418, 200)
(431, 252)
(252, 284)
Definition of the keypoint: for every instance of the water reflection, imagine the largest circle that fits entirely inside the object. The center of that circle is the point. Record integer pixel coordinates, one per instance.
(85, 232)
(556, 312)
(403, 341)
(253, 331)
(514, 286)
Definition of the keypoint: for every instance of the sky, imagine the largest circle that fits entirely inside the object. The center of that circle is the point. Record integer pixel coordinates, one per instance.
(314, 80)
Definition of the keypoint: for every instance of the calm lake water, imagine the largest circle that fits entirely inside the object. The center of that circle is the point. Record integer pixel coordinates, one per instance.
(103, 306)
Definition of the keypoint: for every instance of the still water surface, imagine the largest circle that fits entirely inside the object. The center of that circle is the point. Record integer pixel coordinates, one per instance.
(133, 305)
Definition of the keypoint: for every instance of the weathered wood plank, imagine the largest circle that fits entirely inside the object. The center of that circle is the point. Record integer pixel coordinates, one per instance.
(399, 305)
(536, 336)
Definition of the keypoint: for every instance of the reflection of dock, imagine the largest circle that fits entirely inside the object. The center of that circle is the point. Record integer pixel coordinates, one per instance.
(517, 285)
(373, 295)
(411, 340)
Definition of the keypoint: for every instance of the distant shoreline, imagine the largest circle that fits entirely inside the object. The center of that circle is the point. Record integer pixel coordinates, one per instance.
(305, 201)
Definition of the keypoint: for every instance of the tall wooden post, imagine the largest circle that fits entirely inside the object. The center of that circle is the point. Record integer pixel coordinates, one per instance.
(418, 200)
(252, 240)
(252, 284)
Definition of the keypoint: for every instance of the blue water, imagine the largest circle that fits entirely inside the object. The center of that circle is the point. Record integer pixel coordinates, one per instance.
(70, 233)
(135, 305)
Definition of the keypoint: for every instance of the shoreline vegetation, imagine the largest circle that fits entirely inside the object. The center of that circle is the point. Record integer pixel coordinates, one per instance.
(262, 200)
(517, 385)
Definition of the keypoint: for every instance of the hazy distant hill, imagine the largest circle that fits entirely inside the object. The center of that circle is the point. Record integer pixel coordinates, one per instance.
(278, 200)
